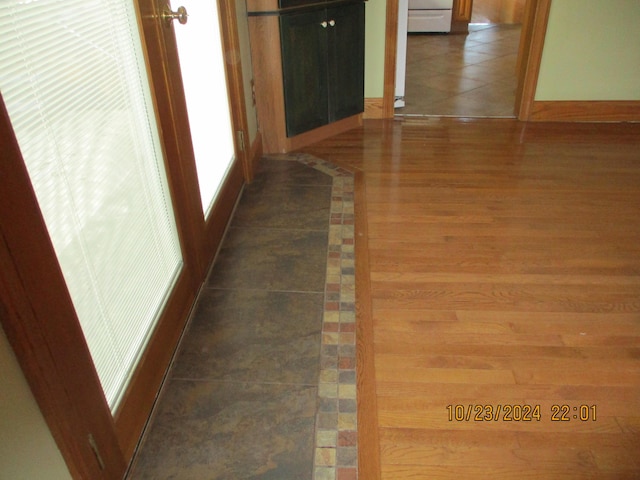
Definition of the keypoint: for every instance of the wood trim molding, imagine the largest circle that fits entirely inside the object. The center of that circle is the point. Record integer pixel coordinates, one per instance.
(534, 31)
(585, 111)
(216, 223)
(266, 52)
(255, 152)
(200, 239)
(461, 16)
(374, 108)
(462, 9)
(390, 52)
(320, 133)
(133, 413)
(233, 70)
(163, 66)
(159, 44)
(368, 434)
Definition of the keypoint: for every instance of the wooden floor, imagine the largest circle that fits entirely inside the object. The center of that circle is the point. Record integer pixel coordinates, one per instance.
(499, 293)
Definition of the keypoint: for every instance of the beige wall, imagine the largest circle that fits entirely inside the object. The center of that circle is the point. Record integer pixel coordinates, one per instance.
(247, 71)
(591, 51)
(27, 449)
(375, 25)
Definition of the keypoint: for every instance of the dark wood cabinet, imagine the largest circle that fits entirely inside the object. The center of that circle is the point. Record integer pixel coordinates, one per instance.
(308, 62)
(323, 66)
(305, 58)
(346, 66)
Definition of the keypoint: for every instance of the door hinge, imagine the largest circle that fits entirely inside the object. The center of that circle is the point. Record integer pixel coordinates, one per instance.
(240, 137)
(96, 452)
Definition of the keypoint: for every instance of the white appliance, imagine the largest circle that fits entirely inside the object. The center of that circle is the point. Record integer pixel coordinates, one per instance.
(430, 15)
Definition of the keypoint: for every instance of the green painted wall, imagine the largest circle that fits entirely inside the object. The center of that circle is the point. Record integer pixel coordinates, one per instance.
(591, 51)
(375, 25)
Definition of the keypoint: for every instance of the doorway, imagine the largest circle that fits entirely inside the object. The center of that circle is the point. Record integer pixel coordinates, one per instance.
(534, 27)
(474, 74)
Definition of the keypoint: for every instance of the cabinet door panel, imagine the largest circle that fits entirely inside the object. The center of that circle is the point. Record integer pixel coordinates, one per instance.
(304, 67)
(346, 61)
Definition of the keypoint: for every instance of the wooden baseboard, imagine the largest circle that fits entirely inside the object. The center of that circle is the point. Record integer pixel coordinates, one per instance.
(317, 134)
(585, 111)
(220, 214)
(373, 108)
(254, 154)
(459, 27)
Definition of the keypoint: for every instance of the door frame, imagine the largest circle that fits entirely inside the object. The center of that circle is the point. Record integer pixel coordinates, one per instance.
(165, 75)
(242, 169)
(36, 311)
(534, 29)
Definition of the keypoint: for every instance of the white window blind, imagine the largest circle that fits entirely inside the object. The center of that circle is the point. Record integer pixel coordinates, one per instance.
(73, 79)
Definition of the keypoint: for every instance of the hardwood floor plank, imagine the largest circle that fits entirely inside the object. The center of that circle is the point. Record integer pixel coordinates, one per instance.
(495, 342)
(388, 371)
(530, 297)
(604, 451)
(413, 413)
(617, 401)
(530, 346)
(367, 411)
(420, 278)
(466, 321)
(555, 371)
(577, 459)
(503, 268)
(413, 472)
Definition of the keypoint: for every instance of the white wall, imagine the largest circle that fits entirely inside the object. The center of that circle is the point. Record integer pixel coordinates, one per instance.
(591, 51)
(27, 449)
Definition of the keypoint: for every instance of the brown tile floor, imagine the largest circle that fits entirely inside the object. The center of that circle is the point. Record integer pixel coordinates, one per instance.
(462, 75)
(263, 384)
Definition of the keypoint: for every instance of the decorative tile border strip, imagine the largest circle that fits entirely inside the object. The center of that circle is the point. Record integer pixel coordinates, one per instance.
(336, 432)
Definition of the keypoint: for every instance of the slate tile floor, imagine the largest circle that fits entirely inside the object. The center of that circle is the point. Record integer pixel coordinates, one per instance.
(263, 383)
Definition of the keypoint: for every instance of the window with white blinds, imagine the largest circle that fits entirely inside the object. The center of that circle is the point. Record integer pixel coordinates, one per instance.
(73, 79)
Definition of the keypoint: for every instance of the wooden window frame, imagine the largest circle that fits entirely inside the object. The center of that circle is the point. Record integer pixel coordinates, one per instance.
(36, 311)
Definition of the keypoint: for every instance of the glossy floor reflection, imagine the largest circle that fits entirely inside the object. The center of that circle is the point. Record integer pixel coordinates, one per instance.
(263, 383)
(462, 75)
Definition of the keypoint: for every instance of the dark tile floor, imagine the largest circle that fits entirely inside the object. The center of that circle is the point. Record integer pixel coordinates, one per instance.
(263, 383)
